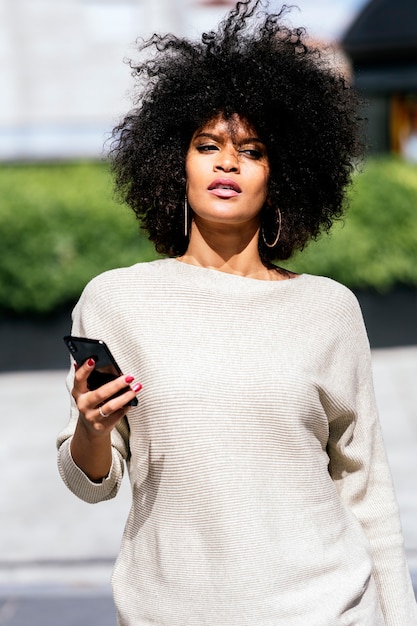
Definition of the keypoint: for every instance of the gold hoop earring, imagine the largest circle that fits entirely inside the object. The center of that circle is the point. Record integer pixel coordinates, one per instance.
(186, 212)
(274, 243)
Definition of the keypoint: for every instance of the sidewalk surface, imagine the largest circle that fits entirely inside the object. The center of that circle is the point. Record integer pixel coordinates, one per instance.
(52, 544)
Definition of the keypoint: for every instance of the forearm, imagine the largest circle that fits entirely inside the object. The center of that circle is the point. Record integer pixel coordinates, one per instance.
(91, 453)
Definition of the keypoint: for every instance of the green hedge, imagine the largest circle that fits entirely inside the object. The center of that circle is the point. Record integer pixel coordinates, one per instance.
(60, 226)
(375, 245)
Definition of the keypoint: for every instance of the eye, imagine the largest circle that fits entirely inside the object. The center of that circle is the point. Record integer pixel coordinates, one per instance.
(253, 153)
(206, 147)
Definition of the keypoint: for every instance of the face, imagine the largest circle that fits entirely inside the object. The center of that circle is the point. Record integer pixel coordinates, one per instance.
(227, 171)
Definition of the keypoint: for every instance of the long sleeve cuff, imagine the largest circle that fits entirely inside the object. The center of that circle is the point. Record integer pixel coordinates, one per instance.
(79, 483)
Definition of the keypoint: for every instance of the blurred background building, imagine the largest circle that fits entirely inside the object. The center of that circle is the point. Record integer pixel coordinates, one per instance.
(63, 83)
(382, 46)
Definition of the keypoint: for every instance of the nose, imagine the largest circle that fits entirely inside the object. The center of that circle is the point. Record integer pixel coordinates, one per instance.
(227, 160)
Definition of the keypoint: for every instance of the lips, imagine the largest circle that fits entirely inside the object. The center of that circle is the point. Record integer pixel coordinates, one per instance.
(224, 188)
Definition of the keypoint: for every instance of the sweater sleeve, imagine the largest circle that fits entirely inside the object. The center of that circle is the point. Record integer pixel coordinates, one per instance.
(359, 467)
(74, 478)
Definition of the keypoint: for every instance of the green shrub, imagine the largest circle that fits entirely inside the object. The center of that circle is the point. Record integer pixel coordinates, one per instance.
(60, 226)
(375, 245)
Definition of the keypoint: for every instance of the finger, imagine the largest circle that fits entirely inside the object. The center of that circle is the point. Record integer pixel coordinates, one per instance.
(108, 414)
(101, 412)
(99, 425)
(118, 403)
(81, 375)
(118, 392)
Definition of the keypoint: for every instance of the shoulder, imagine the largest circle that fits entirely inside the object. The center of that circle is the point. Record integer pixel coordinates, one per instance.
(109, 292)
(330, 292)
(120, 278)
(334, 304)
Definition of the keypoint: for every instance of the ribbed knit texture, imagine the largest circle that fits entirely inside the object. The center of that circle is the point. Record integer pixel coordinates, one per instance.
(261, 492)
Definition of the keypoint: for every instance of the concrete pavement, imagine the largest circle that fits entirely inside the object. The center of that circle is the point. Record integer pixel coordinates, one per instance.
(53, 543)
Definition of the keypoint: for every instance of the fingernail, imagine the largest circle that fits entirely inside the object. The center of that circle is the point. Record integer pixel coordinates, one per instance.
(137, 387)
(75, 366)
(91, 362)
(129, 378)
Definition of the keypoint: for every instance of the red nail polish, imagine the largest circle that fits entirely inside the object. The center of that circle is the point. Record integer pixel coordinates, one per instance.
(91, 362)
(129, 379)
(137, 387)
(75, 366)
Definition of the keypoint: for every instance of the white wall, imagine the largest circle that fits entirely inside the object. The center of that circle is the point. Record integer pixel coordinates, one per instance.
(63, 82)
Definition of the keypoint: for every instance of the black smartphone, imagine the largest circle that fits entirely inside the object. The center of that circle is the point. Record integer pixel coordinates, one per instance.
(106, 368)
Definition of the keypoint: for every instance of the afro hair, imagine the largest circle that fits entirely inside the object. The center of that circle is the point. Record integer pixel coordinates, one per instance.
(259, 68)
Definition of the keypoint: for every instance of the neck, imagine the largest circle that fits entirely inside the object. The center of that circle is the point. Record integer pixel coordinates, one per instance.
(231, 250)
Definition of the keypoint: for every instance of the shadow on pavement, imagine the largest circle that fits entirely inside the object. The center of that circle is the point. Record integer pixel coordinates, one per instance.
(57, 607)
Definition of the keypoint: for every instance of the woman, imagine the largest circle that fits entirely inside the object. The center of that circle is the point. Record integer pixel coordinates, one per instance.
(260, 488)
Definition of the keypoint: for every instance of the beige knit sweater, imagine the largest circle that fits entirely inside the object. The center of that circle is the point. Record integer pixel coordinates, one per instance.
(261, 494)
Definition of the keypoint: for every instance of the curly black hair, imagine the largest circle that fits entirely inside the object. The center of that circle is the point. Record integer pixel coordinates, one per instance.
(261, 69)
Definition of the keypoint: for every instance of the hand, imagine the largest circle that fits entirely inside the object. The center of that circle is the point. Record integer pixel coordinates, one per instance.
(99, 411)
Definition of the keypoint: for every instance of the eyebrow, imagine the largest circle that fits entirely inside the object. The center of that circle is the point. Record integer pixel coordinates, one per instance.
(218, 138)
